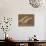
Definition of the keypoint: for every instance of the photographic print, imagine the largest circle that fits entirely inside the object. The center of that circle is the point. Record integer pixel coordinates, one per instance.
(26, 20)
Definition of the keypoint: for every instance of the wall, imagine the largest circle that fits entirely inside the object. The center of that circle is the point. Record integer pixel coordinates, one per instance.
(12, 8)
